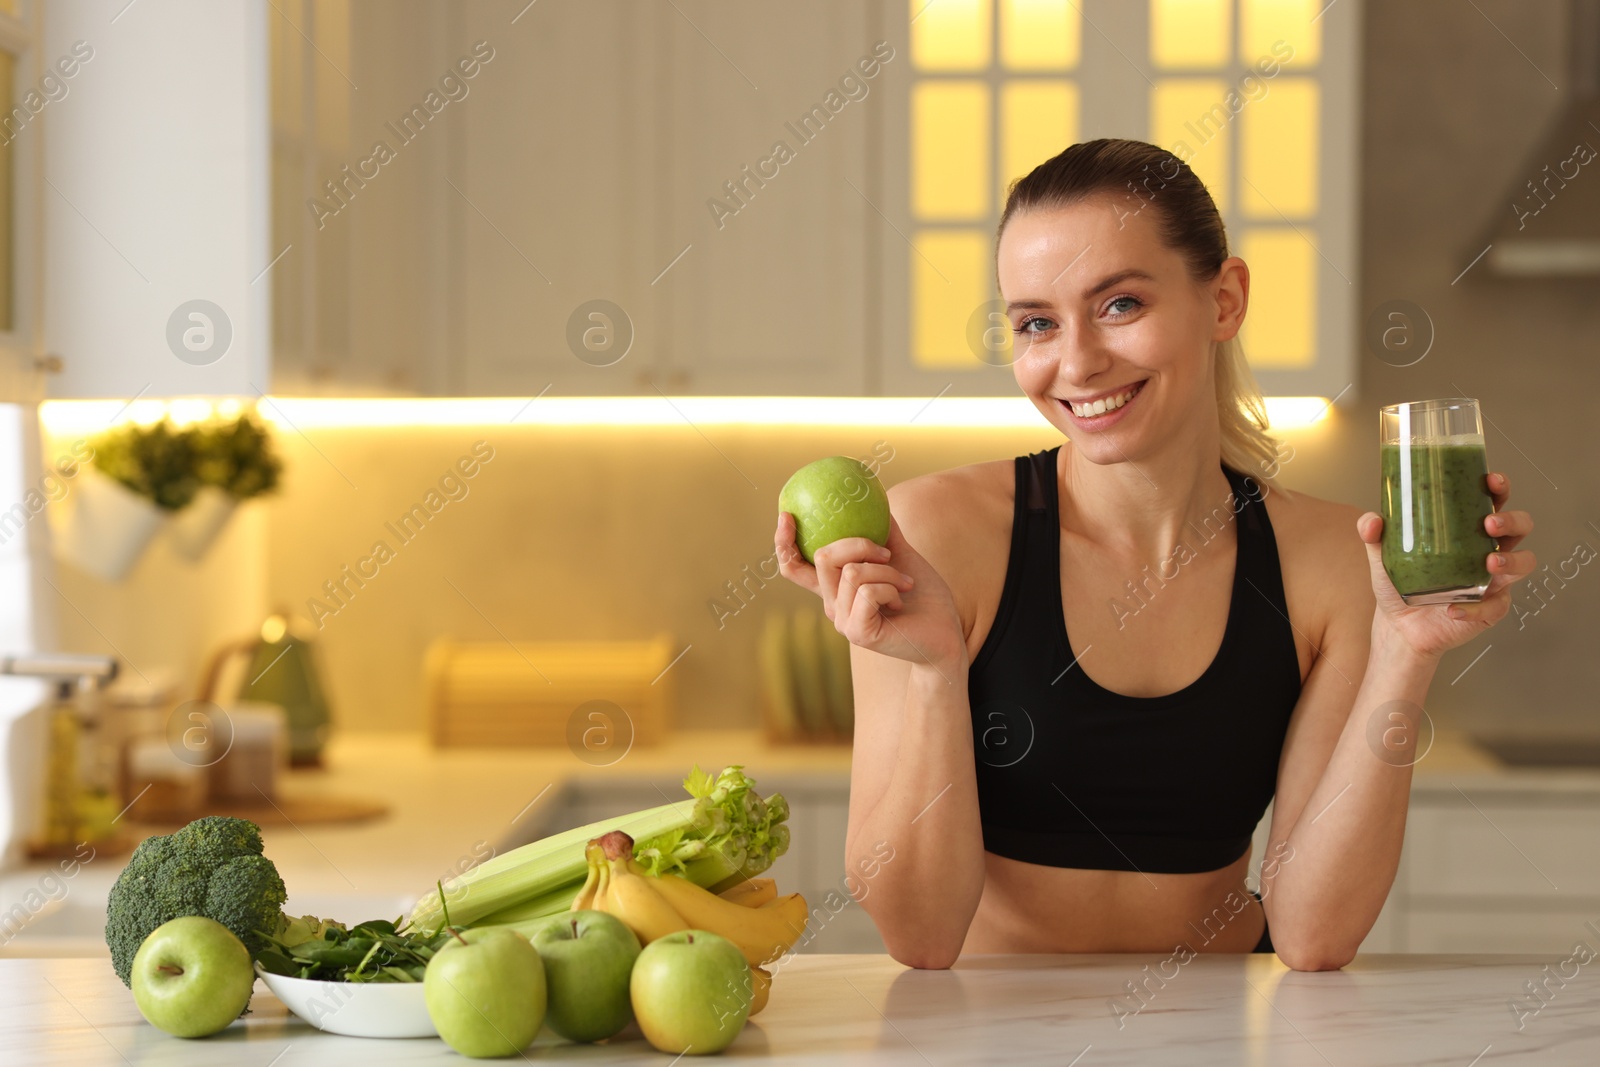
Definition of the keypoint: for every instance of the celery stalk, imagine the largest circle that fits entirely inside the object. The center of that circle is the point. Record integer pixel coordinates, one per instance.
(536, 868)
(724, 828)
(579, 836)
(539, 907)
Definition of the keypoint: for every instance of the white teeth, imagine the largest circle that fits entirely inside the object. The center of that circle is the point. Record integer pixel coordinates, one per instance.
(1100, 407)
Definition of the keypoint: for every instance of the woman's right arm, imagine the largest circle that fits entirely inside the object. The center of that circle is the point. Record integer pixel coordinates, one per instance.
(914, 847)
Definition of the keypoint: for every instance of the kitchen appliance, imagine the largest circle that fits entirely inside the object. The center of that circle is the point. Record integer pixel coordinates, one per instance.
(280, 668)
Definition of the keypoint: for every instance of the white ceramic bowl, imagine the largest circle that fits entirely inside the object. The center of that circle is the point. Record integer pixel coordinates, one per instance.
(355, 1009)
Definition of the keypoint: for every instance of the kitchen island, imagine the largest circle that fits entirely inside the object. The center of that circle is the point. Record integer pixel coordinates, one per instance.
(866, 1009)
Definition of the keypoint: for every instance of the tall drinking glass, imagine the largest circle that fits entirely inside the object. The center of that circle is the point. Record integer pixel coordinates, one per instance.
(1435, 498)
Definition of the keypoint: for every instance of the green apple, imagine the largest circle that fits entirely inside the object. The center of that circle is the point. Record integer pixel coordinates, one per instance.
(485, 992)
(691, 992)
(588, 957)
(192, 977)
(832, 499)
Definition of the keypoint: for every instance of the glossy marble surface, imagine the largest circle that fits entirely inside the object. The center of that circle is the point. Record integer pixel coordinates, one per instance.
(843, 1010)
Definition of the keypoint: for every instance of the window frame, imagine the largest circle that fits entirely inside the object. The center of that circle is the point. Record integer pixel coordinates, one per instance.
(1115, 77)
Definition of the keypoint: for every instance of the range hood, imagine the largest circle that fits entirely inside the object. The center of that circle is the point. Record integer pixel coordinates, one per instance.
(1552, 226)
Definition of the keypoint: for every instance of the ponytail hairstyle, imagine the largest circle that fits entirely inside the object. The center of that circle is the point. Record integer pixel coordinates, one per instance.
(1149, 178)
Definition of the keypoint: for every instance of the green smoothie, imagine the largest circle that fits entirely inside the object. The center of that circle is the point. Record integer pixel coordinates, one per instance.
(1433, 535)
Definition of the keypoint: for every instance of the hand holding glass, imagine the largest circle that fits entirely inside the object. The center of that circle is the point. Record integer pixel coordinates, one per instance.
(1435, 475)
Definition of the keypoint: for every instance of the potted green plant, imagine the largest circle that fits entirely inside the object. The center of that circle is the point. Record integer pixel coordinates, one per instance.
(141, 476)
(233, 461)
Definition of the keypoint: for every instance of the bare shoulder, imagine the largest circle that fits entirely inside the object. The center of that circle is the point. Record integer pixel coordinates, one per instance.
(1301, 521)
(1324, 563)
(959, 520)
(955, 509)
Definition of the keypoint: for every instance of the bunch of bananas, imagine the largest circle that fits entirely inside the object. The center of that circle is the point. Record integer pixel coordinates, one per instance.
(751, 914)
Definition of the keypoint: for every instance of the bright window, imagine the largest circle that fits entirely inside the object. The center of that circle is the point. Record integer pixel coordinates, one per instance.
(1281, 325)
(1240, 89)
(1038, 118)
(949, 180)
(951, 275)
(1190, 33)
(1189, 118)
(1251, 130)
(981, 117)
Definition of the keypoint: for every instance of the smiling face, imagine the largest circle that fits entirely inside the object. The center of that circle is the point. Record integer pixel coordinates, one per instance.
(1113, 338)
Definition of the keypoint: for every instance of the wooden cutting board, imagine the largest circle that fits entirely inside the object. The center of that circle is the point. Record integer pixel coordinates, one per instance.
(286, 811)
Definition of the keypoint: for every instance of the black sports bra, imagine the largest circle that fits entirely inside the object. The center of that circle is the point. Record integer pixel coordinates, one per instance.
(1073, 775)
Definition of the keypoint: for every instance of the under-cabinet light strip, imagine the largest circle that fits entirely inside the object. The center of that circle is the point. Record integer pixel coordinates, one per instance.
(80, 416)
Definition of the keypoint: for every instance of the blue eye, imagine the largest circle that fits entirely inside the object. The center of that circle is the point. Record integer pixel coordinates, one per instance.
(1135, 301)
(1028, 321)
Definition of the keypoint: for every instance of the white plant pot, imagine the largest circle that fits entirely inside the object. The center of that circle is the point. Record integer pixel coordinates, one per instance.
(108, 527)
(194, 528)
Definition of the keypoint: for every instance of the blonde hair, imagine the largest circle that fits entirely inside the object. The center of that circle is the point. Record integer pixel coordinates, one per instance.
(1242, 414)
(1188, 223)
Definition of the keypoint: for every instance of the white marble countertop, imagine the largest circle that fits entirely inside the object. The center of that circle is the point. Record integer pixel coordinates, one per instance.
(1017, 1010)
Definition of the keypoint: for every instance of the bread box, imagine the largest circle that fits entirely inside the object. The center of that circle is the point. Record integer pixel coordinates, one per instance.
(597, 697)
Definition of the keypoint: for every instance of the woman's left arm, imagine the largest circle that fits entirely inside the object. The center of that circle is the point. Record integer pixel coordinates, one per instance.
(1344, 779)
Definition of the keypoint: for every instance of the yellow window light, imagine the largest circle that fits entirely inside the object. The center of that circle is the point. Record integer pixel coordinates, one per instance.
(950, 279)
(1278, 150)
(950, 150)
(1190, 118)
(1280, 326)
(1263, 23)
(951, 35)
(1038, 35)
(1191, 34)
(1038, 119)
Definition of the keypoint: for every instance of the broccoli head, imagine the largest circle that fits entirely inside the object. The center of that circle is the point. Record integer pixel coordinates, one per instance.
(212, 867)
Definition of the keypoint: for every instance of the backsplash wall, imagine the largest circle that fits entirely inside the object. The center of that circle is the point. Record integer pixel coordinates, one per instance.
(565, 533)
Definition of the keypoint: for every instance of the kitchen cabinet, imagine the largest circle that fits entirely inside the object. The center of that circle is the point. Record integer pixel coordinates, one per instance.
(1505, 863)
(579, 164)
(773, 294)
(729, 204)
(601, 208)
(604, 208)
(1508, 870)
(158, 277)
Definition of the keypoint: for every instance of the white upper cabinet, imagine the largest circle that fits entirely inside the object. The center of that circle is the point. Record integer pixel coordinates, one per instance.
(619, 198)
(708, 198)
(157, 276)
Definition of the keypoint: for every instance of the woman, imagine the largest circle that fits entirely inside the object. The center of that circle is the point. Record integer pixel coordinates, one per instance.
(1230, 642)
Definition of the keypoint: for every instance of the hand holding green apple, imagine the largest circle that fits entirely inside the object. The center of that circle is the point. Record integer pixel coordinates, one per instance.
(879, 592)
(485, 992)
(832, 499)
(588, 959)
(691, 992)
(192, 977)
